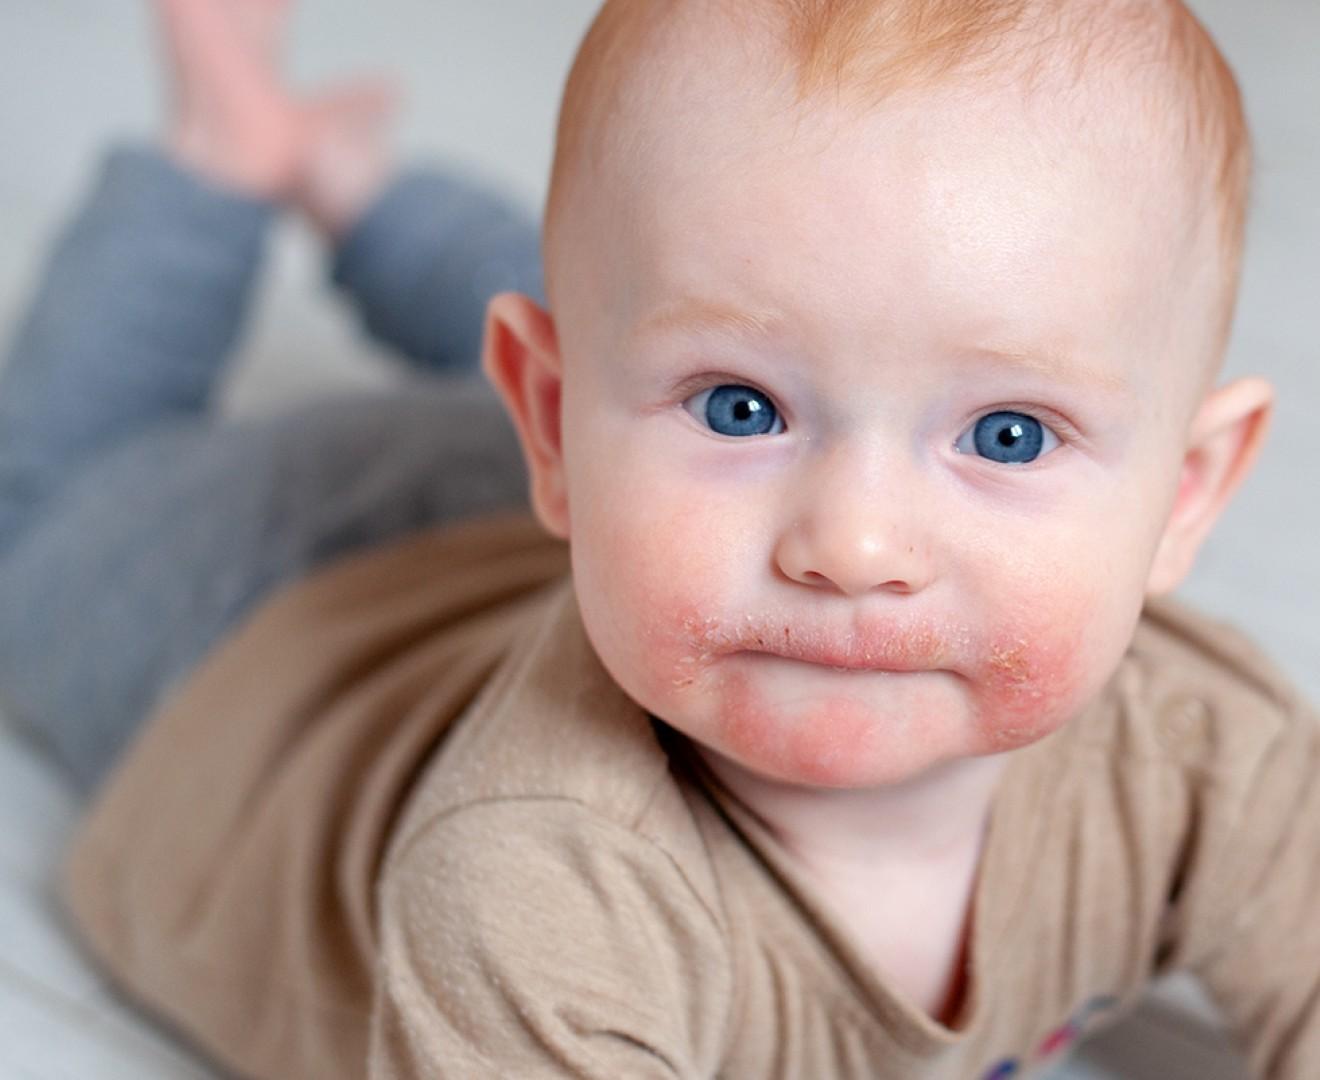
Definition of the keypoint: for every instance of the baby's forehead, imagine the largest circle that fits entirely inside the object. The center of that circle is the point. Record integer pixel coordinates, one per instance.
(707, 143)
(944, 199)
(683, 89)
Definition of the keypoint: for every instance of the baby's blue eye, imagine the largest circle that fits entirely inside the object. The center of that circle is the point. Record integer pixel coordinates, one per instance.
(1009, 438)
(736, 410)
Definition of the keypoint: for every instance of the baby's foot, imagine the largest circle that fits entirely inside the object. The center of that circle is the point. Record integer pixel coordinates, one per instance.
(347, 159)
(233, 119)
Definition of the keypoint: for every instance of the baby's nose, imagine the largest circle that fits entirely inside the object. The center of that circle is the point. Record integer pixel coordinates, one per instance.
(856, 538)
(853, 563)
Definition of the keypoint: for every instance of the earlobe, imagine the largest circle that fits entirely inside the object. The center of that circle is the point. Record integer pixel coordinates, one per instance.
(1225, 439)
(521, 359)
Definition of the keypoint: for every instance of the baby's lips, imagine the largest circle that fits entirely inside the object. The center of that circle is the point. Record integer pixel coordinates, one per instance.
(863, 646)
(873, 643)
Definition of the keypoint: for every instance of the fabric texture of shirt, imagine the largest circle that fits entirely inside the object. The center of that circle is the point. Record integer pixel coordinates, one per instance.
(404, 824)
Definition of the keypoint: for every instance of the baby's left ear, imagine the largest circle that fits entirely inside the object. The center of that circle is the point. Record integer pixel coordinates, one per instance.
(1225, 437)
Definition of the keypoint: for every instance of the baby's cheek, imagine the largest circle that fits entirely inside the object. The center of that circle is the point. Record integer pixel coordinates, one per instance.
(1039, 667)
(641, 598)
(661, 636)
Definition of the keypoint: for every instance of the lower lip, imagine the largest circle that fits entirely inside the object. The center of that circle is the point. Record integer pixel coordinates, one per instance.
(779, 682)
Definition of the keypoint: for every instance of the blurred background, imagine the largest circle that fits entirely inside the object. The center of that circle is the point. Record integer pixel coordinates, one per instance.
(481, 82)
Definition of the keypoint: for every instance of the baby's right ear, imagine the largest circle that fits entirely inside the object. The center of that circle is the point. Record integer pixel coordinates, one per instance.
(521, 359)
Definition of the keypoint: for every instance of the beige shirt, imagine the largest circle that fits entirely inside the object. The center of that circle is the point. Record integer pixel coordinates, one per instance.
(403, 824)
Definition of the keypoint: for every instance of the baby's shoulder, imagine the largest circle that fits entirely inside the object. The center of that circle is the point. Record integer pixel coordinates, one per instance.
(547, 900)
(515, 930)
(502, 832)
(1196, 692)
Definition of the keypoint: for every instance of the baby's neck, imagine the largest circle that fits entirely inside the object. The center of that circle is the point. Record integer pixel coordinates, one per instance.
(923, 821)
(897, 865)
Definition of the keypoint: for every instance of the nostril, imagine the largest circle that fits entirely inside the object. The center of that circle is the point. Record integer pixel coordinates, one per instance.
(815, 578)
(853, 561)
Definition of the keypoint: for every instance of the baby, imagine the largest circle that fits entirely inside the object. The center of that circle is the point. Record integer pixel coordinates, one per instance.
(876, 398)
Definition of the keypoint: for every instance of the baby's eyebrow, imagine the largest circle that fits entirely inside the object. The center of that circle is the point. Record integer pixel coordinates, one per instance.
(694, 313)
(698, 314)
(1053, 365)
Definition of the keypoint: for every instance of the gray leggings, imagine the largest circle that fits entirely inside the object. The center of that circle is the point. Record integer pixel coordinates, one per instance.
(137, 526)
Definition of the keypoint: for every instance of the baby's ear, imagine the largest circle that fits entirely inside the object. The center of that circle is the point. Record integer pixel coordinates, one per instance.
(521, 358)
(1225, 437)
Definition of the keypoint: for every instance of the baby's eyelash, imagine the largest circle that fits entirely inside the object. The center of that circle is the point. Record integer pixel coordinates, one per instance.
(1056, 422)
(695, 384)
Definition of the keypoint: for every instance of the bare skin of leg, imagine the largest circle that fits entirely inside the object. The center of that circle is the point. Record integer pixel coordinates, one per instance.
(235, 120)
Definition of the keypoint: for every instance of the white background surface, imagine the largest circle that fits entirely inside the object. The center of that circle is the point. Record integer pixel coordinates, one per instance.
(483, 80)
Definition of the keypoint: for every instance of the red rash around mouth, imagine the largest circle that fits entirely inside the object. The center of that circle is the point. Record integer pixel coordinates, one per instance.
(823, 750)
(987, 692)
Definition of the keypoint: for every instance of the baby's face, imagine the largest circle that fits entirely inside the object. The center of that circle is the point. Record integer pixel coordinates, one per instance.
(871, 428)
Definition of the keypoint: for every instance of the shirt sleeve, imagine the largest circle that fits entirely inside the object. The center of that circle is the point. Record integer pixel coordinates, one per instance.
(1262, 963)
(427, 256)
(535, 939)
